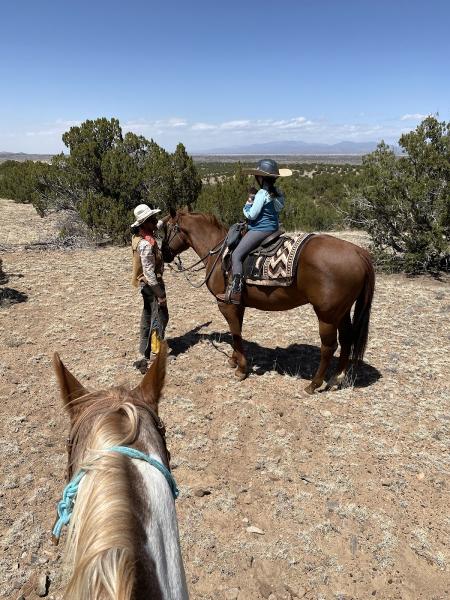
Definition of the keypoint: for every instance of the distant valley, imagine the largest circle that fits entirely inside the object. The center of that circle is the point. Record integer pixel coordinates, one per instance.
(22, 156)
(297, 148)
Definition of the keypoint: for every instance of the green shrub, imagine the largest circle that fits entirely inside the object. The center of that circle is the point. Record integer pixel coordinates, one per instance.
(404, 203)
(104, 177)
(314, 202)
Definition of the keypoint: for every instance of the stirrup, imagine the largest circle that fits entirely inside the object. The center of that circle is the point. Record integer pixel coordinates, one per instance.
(225, 297)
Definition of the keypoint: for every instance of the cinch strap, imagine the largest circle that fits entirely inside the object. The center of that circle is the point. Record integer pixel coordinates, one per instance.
(65, 505)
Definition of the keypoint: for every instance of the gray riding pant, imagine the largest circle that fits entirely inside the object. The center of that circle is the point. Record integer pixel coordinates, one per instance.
(249, 242)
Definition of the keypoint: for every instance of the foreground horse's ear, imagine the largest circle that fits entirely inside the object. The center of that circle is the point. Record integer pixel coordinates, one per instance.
(69, 385)
(172, 212)
(152, 384)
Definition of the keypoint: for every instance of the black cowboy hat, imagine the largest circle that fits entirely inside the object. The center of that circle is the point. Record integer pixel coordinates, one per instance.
(268, 168)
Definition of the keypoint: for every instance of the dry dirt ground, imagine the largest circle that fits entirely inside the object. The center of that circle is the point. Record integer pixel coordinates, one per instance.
(349, 489)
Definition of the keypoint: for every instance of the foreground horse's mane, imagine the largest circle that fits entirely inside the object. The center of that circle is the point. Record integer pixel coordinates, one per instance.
(101, 544)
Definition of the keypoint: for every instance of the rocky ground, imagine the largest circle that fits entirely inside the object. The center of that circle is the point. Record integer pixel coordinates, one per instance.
(340, 495)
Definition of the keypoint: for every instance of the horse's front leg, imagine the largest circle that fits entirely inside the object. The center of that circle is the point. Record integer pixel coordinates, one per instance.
(234, 315)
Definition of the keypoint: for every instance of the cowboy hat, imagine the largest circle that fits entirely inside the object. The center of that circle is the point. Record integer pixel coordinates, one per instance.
(268, 168)
(142, 212)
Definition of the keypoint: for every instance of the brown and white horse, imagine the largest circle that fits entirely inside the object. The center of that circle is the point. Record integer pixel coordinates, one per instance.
(123, 537)
(332, 275)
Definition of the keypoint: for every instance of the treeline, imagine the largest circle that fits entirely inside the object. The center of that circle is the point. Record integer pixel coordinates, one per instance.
(402, 202)
(318, 197)
(104, 177)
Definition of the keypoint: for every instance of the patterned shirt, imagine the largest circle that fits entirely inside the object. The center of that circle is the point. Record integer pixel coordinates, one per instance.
(148, 260)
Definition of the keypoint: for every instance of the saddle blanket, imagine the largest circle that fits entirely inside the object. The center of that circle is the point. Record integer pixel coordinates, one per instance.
(279, 269)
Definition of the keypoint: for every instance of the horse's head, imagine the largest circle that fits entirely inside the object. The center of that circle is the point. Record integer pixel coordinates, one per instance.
(119, 472)
(175, 240)
(116, 416)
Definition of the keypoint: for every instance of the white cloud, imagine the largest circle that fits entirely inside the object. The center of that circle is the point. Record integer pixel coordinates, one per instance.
(57, 128)
(413, 117)
(202, 127)
(175, 122)
(235, 124)
(202, 135)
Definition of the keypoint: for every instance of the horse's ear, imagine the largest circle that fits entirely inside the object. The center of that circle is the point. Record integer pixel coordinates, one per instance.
(69, 386)
(189, 207)
(172, 212)
(152, 383)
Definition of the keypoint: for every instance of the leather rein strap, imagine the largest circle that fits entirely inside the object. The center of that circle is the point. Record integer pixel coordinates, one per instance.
(217, 249)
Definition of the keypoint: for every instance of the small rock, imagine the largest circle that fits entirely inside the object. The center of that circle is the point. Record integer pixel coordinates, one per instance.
(253, 529)
(42, 585)
(245, 520)
(420, 476)
(200, 492)
(264, 589)
(232, 594)
(332, 505)
(299, 593)
(325, 413)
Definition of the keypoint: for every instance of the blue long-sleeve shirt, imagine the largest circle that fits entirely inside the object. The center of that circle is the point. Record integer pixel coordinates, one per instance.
(262, 214)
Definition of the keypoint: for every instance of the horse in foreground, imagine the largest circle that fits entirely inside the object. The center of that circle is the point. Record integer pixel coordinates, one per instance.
(119, 504)
(332, 275)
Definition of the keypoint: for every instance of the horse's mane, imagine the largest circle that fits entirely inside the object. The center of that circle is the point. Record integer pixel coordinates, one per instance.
(100, 549)
(209, 217)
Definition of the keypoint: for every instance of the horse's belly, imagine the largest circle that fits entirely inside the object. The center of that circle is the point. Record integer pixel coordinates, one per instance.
(273, 298)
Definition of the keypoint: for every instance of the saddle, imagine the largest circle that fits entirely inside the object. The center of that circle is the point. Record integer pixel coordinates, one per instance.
(274, 262)
(270, 244)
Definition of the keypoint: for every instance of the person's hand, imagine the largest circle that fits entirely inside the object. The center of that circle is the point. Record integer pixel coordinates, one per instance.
(162, 301)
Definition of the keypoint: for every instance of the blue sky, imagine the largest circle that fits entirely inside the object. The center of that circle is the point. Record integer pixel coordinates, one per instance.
(214, 74)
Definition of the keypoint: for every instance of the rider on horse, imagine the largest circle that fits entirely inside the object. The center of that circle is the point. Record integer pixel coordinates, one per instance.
(261, 213)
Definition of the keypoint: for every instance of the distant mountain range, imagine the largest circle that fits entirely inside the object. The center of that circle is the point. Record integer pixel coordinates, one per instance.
(285, 148)
(297, 147)
(22, 156)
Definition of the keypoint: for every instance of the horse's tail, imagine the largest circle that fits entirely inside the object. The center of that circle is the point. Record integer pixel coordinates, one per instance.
(100, 549)
(361, 315)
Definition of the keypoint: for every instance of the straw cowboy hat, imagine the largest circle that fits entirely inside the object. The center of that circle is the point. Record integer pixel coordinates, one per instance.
(268, 168)
(142, 213)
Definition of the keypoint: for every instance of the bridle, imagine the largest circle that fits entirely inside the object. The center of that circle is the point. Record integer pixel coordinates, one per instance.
(218, 250)
(66, 505)
(98, 408)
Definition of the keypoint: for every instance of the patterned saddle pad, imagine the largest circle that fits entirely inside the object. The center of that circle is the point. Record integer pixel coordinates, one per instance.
(279, 269)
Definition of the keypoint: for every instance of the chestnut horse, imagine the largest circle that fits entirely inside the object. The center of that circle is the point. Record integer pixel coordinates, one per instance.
(119, 504)
(332, 275)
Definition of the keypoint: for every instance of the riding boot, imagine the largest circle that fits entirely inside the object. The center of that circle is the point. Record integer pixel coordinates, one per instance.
(233, 292)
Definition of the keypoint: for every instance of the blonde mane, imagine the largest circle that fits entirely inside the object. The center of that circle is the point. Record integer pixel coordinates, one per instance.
(100, 549)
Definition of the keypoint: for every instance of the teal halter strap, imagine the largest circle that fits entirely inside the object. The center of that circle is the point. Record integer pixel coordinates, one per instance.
(65, 505)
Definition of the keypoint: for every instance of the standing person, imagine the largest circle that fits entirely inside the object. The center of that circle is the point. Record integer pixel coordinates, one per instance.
(148, 267)
(261, 213)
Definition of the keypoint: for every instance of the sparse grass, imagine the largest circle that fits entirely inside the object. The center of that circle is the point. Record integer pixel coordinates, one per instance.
(363, 463)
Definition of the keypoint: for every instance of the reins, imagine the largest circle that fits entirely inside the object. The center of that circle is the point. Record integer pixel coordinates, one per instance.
(217, 249)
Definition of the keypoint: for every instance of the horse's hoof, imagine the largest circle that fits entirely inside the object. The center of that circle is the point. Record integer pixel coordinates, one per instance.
(240, 375)
(232, 363)
(309, 389)
(336, 382)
